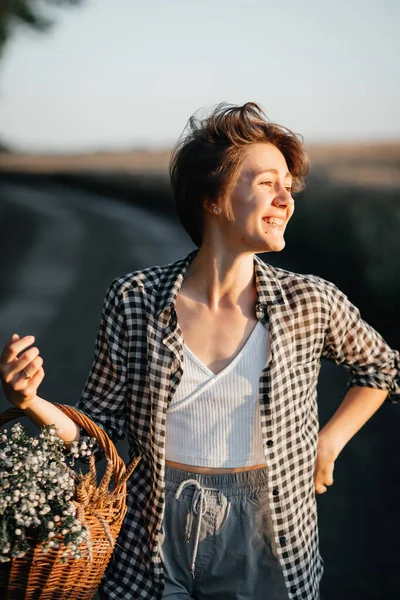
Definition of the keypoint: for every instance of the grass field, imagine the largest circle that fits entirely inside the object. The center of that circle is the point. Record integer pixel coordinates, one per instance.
(355, 163)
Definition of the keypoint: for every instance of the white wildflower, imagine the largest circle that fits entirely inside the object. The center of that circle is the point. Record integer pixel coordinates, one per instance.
(36, 489)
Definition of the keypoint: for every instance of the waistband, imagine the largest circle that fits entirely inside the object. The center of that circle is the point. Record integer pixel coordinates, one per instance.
(232, 484)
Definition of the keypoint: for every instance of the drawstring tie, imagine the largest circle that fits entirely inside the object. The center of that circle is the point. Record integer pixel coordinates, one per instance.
(198, 507)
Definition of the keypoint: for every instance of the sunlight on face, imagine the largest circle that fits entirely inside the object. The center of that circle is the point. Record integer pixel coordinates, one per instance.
(261, 202)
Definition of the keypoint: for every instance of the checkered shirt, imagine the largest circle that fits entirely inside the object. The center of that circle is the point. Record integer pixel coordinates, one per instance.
(138, 366)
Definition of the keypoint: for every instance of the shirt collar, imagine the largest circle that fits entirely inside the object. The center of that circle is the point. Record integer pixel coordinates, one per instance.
(268, 287)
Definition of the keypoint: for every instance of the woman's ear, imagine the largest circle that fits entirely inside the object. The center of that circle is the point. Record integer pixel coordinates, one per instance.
(211, 206)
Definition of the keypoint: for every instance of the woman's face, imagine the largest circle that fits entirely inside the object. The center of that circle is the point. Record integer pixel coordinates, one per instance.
(261, 201)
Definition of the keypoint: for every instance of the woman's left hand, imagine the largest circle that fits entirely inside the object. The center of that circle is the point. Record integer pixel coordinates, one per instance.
(325, 464)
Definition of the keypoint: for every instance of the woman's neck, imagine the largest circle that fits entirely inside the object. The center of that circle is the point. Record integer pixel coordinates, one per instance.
(221, 281)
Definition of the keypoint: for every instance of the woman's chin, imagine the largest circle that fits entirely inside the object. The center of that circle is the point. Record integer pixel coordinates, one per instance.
(274, 245)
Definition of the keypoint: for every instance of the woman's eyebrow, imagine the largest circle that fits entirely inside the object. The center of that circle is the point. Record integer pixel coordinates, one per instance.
(257, 173)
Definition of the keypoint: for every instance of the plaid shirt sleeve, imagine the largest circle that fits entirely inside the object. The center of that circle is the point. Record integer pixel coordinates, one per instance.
(104, 395)
(360, 348)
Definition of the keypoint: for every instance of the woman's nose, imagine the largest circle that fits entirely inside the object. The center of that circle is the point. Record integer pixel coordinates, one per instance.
(283, 198)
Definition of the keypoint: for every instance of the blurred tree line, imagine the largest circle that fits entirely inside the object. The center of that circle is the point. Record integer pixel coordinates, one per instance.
(28, 13)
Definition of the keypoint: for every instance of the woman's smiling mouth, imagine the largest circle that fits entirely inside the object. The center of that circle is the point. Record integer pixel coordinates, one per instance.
(274, 221)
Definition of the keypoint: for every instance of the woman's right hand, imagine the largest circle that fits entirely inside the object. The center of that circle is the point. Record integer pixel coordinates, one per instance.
(21, 375)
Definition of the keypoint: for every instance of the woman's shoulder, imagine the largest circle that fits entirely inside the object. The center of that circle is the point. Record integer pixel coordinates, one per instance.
(311, 284)
(140, 278)
(149, 279)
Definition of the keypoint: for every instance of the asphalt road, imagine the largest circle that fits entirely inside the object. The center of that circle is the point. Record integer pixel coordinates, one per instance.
(59, 250)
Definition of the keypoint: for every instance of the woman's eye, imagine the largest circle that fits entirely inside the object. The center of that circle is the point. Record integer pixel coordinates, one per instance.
(289, 189)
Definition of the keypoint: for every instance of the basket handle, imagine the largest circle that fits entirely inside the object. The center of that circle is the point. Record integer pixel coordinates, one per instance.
(110, 451)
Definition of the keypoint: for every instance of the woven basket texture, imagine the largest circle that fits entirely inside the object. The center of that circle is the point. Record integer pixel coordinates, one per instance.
(40, 575)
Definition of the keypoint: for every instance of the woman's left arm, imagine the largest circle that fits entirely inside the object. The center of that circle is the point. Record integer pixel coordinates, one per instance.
(374, 378)
(358, 405)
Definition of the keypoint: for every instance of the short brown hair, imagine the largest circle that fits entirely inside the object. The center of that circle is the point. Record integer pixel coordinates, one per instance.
(205, 161)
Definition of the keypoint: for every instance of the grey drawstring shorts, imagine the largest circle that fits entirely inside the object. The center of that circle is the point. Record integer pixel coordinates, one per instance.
(216, 539)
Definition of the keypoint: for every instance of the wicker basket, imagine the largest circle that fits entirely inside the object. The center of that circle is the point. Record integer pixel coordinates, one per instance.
(42, 575)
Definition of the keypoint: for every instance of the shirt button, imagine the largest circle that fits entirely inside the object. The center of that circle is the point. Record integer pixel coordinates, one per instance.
(270, 443)
(293, 588)
(282, 540)
(275, 491)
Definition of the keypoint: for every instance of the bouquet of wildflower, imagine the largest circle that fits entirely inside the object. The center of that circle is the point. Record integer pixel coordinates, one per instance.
(36, 493)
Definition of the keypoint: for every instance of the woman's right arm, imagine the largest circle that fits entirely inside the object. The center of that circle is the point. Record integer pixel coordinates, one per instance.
(42, 412)
(21, 390)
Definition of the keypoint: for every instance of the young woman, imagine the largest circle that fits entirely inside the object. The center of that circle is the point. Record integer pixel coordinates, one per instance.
(209, 365)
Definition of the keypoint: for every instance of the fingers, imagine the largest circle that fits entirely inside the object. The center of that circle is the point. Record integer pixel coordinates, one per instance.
(29, 362)
(19, 372)
(321, 488)
(21, 375)
(324, 469)
(15, 346)
(35, 380)
(30, 385)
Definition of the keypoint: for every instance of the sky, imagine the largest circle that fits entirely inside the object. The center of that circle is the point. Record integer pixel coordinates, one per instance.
(126, 74)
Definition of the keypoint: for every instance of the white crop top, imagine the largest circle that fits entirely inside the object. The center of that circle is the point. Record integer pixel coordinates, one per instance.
(214, 420)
